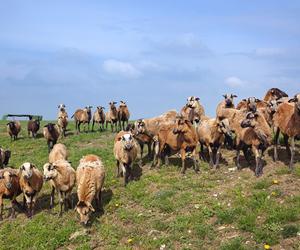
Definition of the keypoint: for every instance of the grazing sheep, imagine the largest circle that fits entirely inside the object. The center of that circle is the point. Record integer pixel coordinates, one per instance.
(123, 115)
(9, 189)
(112, 116)
(99, 117)
(51, 134)
(193, 110)
(180, 136)
(82, 117)
(59, 152)
(255, 133)
(125, 152)
(13, 129)
(4, 157)
(90, 176)
(287, 121)
(211, 133)
(274, 94)
(62, 123)
(31, 182)
(33, 127)
(62, 179)
(226, 103)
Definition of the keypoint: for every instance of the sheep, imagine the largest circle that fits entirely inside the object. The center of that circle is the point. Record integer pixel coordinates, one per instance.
(274, 94)
(193, 110)
(180, 137)
(255, 133)
(4, 157)
(33, 127)
(99, 117)
(62, 123)
(62, 110)
(227, 103)
(90, 176)
(123, 115)
(251, 104)
(125, 152)
(9, 189)
(287, 121)
(82, 116)
(58, 152)
(112, 116)
(62, 179)
(211, 133)
(31, 182)
(13, 129)
(51, 133)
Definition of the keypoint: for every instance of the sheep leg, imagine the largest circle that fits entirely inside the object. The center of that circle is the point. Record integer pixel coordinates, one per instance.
(202, 151)
(13, 212)
(61, 202)
(196, 161)
(93, 126)
(118, 169)
(292, 152)
(142, 149)
(276, 139)
(166, 159)
(237, 160)
(149, 150)
(52, 198)
(218, 153)
(286, 143)
(211, 160)
(126, 174)
(1, 208)
(183, 155)
(257, 160)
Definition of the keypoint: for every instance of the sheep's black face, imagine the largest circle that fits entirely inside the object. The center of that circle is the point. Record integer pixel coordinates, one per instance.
(249, 121)
(252, 105)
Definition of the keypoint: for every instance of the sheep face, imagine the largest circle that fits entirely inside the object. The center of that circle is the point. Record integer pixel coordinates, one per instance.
(112, 105)
(272, 106)
(229, 99)
(296, 100)
(224, 127)
(250, 120)
(192, 101)
(252, 104)
(84, 209)
(180, 125)
(61, 107)
(7, 177)
(123, 104)
(50, 171)
(11, 125)
(127, 141)
(140, 126)
(100, 109)
(26, 170)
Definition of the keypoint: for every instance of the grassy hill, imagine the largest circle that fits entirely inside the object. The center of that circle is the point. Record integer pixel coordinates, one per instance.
(162, 209)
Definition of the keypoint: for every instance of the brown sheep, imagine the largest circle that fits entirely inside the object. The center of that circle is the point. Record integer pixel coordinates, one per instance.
(123, 115)
(255, 133)
(58, 152)
(33, 127)
(51, 134)
(4, 157)
(13, 129)
(82, 117)
(226, 103)
(99, 117)
(287, 121)
(62, 179)
(112, 116)
(211, 133)
(125, 152)
(251, 104)
(193, 110)
(274, 94)
(62, 123)
(90, 176)
(31, 182)
(9, 189)
(178, 137)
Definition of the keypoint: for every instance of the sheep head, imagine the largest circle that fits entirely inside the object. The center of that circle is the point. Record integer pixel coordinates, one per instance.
(61, 107)
(140, 126)
(224, 127)
(84, 209)
(229, 99)
(181, 125)
(127, 141)
(296, 100)
(26, 170)
(7, 177)
(50, 171)
(250, 120)
(192, 101)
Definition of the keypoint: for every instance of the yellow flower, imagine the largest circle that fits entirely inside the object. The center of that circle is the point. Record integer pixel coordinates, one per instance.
(129, 241)
(273, 193)
(275, 181)
(117, 205)
(267, 246)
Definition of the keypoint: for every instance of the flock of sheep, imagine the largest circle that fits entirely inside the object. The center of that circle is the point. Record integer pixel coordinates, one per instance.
(247, 127)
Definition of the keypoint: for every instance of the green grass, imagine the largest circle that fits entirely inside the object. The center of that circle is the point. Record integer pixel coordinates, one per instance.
(211, 210)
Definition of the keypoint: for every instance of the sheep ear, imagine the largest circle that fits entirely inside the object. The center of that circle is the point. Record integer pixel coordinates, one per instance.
(244, 100)
(89, 205)
(234, 96)
(292, 100)
(197, 98)
(224, 96)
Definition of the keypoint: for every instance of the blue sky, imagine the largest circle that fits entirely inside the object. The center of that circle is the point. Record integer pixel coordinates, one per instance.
(152, 54)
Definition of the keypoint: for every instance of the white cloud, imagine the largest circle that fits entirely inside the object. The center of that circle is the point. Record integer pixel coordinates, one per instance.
(234, 81)
(119, 68)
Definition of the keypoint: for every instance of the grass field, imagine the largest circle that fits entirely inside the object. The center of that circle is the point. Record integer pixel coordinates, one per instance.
(162, 209)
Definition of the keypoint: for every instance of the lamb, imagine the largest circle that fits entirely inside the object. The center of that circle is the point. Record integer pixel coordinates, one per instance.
(287, 121)
(62, 123)
(255, 133)
(125, 152)
(178, 137)
(193, 110)
(31, 182)
(90, 176)
(227, 103)
(9, 189)
(123, 115)
(112, 116)
(51, 133)
(99, 117)
(13, 129)
(274, 94)
(82, 117)
(211, 133)
(62, 178)
(33, 127)
(4, 157)
(59, 152)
